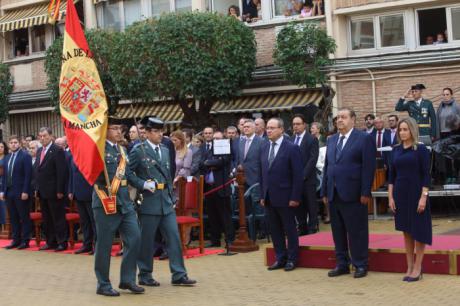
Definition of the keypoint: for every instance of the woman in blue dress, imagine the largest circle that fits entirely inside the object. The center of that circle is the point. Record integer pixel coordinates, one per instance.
(408, 195)
(3, 153)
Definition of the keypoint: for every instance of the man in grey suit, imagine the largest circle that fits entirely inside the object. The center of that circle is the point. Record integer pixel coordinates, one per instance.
(196, 153)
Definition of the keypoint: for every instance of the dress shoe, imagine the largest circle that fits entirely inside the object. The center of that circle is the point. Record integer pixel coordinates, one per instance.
(289, 266)
(164, 256)
(360, 272)
(47, 247)
(61, 247)
(12, 245)
(183, 281)
(83, 250)
(108, 292)
(131, 287)
(149, 282)
(277, 265)
(119, 253)
(338, 271)
(24, 245)
(414, 279)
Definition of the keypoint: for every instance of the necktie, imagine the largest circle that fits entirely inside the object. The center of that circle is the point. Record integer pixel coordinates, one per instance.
(208, 147)
(271, 156)
(115, 147)
(339, 149)
(379, 143)
(10, 169)
(246, 147)
(297, 140)
(42, 155)
(157, 153)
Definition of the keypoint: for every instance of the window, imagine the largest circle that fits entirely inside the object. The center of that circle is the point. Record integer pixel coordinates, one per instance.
(132, 11)
(455, 12)
(38, 38)
(222, 6)
(432, 24)
(362, 34)
(392, 30)
(111, 18)
(21, 42)
(159, 7)
(377, 32)
(183, 5)
(252, 10)
(305, 8)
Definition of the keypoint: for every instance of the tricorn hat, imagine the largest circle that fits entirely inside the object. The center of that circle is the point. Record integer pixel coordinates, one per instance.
(152, 123)
(418, 87)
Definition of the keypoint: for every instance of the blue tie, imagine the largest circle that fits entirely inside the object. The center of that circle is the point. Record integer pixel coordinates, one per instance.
(339, 149)
(297, 140)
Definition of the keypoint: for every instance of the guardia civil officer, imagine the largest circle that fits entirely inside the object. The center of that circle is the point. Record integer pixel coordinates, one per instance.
(111, 217)
(150, 162)
(420, 109)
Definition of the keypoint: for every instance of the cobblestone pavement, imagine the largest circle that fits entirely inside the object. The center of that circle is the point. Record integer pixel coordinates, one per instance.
(36, 278)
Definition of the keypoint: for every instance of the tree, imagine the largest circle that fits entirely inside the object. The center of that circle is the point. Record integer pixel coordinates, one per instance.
(101, 44)
(187, 57)
(302, 50)
(6, 87)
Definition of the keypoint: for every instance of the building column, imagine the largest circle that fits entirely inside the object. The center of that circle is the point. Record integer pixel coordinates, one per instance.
(89, 10)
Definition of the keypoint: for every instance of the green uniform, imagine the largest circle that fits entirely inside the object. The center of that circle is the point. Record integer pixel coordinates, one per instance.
(424, 115)
(157, 209)
(125, 221)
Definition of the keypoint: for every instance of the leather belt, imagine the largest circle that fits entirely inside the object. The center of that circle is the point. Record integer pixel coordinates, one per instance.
(124, 183)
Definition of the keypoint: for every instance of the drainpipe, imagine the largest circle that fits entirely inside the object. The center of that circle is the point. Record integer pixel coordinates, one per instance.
(374, 98)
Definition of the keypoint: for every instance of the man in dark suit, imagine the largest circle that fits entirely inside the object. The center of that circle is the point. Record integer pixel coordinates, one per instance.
(249, 153)
(281, 190)
(51, 171)
(309, 149)
(348, 174)
(380, 141)
(390, 138)
(260, 128)
(196, 152)
(369, 122)
(82, 192)
(217, 173)
(16, 190)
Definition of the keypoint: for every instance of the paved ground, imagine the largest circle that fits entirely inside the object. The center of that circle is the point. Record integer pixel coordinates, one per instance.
(35, 278)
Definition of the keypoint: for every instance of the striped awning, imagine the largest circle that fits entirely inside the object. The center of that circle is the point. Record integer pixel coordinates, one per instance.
(167, 111)
(28, 16)
(268, 102)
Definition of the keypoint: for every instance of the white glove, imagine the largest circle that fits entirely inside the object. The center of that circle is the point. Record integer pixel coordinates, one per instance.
(150, 186)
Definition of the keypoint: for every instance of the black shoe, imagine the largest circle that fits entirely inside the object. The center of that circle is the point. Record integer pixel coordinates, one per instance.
(183, 281)
(83, 250)
(213, 245)
(120, 253)
(24, 245)
(289, 266)
(337, 272)
(277, 265)
(360, 272)
(47, 247)
(61, 247)
(150, 282)
(12, 245)
(131, 287)
(164, 256)
(108, 292)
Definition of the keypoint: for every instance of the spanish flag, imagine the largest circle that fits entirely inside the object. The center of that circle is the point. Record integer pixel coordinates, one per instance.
(83, 102)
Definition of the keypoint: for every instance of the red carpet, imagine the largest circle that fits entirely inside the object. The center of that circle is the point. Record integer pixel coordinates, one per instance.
(191, 253)
(386, 253)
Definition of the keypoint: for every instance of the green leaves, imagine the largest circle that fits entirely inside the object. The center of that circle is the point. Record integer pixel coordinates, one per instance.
(302, 50)
(6, 87)
(201, 56)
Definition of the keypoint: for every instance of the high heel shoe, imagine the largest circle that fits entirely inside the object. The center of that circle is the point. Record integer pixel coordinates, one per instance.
(415, 279)
(405, 278)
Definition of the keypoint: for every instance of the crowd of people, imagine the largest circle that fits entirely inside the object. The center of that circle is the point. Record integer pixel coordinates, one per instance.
(290, 169)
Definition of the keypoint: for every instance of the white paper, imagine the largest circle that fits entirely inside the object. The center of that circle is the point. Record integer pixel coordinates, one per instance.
(221, 147)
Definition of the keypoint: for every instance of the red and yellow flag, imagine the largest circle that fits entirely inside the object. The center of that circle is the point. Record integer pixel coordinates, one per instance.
(83, 102)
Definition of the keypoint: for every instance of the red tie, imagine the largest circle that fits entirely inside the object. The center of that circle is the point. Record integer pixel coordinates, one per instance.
(42, 155)
(379, 143)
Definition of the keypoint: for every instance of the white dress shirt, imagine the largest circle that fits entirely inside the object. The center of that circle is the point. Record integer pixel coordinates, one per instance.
(301, 137)
(347, 135)
(277, 146)
(154, 146)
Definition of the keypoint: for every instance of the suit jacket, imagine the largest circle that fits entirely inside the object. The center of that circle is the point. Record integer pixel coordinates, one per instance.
(282, 182)
(352, 175)
(387, 139)
(221, 167)
(309, 149)
(196, 160)
(144, 164)
(251, 163)
(21, 176)
(51, 173)
(78, 186)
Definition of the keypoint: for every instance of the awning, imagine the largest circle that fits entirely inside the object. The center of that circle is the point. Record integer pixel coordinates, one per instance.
(167, 111)
(28, 16)
(268, 102)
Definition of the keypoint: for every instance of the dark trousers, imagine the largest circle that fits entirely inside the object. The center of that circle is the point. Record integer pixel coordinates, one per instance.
(87, 224)
(350, 230)
(220, 218)
(53, 211)
(20, 219)
(307, 212)
(282, 224)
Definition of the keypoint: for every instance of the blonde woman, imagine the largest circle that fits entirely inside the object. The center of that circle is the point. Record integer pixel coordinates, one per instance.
(408, 195)
(183, 155)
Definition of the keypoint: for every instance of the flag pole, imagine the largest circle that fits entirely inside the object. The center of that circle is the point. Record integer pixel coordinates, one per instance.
(107, 180)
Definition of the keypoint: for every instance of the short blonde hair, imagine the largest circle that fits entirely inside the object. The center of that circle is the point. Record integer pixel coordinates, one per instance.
(413, 129)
